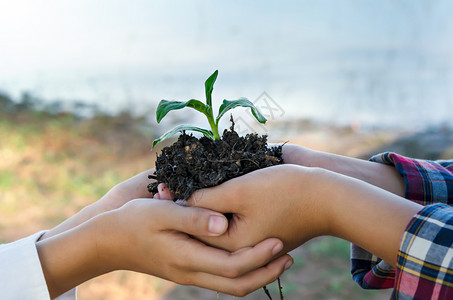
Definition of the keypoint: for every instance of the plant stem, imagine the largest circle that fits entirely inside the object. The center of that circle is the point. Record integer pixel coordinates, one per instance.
(214, 126)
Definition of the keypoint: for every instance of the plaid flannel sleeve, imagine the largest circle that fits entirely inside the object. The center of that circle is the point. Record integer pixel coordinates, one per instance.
(424, 265)
(427, 182)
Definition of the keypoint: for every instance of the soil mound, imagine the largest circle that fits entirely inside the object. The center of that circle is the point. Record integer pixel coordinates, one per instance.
(191, 164)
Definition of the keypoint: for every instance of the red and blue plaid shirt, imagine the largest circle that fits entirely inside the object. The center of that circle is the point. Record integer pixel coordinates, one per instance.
(425, 259)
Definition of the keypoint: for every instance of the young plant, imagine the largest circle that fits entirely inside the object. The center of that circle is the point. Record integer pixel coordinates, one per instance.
(166, 106)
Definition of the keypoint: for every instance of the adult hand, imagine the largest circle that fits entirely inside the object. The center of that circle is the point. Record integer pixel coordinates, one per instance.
(146, 235)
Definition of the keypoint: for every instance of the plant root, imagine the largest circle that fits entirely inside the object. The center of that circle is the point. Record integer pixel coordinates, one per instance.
(280, 288)
(266, 291)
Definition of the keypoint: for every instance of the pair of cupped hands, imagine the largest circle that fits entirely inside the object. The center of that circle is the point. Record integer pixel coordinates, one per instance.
(192, 242)
(274, 210)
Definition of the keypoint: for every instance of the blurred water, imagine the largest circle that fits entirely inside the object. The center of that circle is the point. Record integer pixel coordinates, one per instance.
(350, 62)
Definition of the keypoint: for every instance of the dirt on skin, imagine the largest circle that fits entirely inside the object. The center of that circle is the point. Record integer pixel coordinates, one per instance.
(191, 164)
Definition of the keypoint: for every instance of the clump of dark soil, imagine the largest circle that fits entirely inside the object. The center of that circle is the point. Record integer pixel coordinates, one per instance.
(191, 164)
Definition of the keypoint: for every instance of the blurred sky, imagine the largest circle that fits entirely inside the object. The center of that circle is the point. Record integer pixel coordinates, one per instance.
(352, 61)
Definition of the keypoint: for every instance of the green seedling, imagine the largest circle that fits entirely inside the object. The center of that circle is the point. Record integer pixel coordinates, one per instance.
(166, 106)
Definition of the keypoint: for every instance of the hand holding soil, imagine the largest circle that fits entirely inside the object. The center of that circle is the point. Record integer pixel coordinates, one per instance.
(271, 202)
(278, 201)
(295, 204)
(152, 237)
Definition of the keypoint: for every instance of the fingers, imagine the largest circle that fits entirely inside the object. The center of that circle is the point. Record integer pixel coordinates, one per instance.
(206, 259)
(164, 193)
(135, 187)
(194, 220)
(299, 155)
(247, 283)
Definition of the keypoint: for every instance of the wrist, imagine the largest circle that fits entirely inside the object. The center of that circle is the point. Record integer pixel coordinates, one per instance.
(71, 258)
(111, 241)
(368, 216)
(325, 187)
(315, 201)
(85, 214)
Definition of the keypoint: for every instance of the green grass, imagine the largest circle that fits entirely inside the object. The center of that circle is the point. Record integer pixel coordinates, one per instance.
(329, 247)
(7, 179)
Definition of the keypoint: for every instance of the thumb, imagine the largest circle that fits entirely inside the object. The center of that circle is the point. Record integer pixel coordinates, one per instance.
(222, 198)
(197, 221)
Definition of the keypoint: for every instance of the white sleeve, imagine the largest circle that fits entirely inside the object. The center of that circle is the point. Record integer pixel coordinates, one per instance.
(21, 275)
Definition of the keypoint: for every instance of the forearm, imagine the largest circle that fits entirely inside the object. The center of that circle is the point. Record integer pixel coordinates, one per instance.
(120, 194)
(367, 216)
(71, 258)
(82, 216)
(380, 175)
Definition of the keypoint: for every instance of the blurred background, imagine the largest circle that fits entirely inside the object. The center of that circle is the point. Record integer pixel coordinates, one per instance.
(80, 81)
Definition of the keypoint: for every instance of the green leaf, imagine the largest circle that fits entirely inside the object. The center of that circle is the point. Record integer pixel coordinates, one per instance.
(181, 128)
(244, 102)
(166, 106)
(209, 87)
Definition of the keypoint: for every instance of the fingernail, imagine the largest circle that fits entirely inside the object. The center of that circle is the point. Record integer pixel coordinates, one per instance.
(217, 224)
(288, 264)
(277, 248)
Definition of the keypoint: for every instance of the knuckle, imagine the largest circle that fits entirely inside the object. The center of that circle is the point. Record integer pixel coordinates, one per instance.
(195, 199)
(237, 191)
(238, 244)
(241, 291)
(262, 260)
(185, 279)
(181, 261)
(274, 274)
(191, 219)
(231, 271)
(178, 262)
